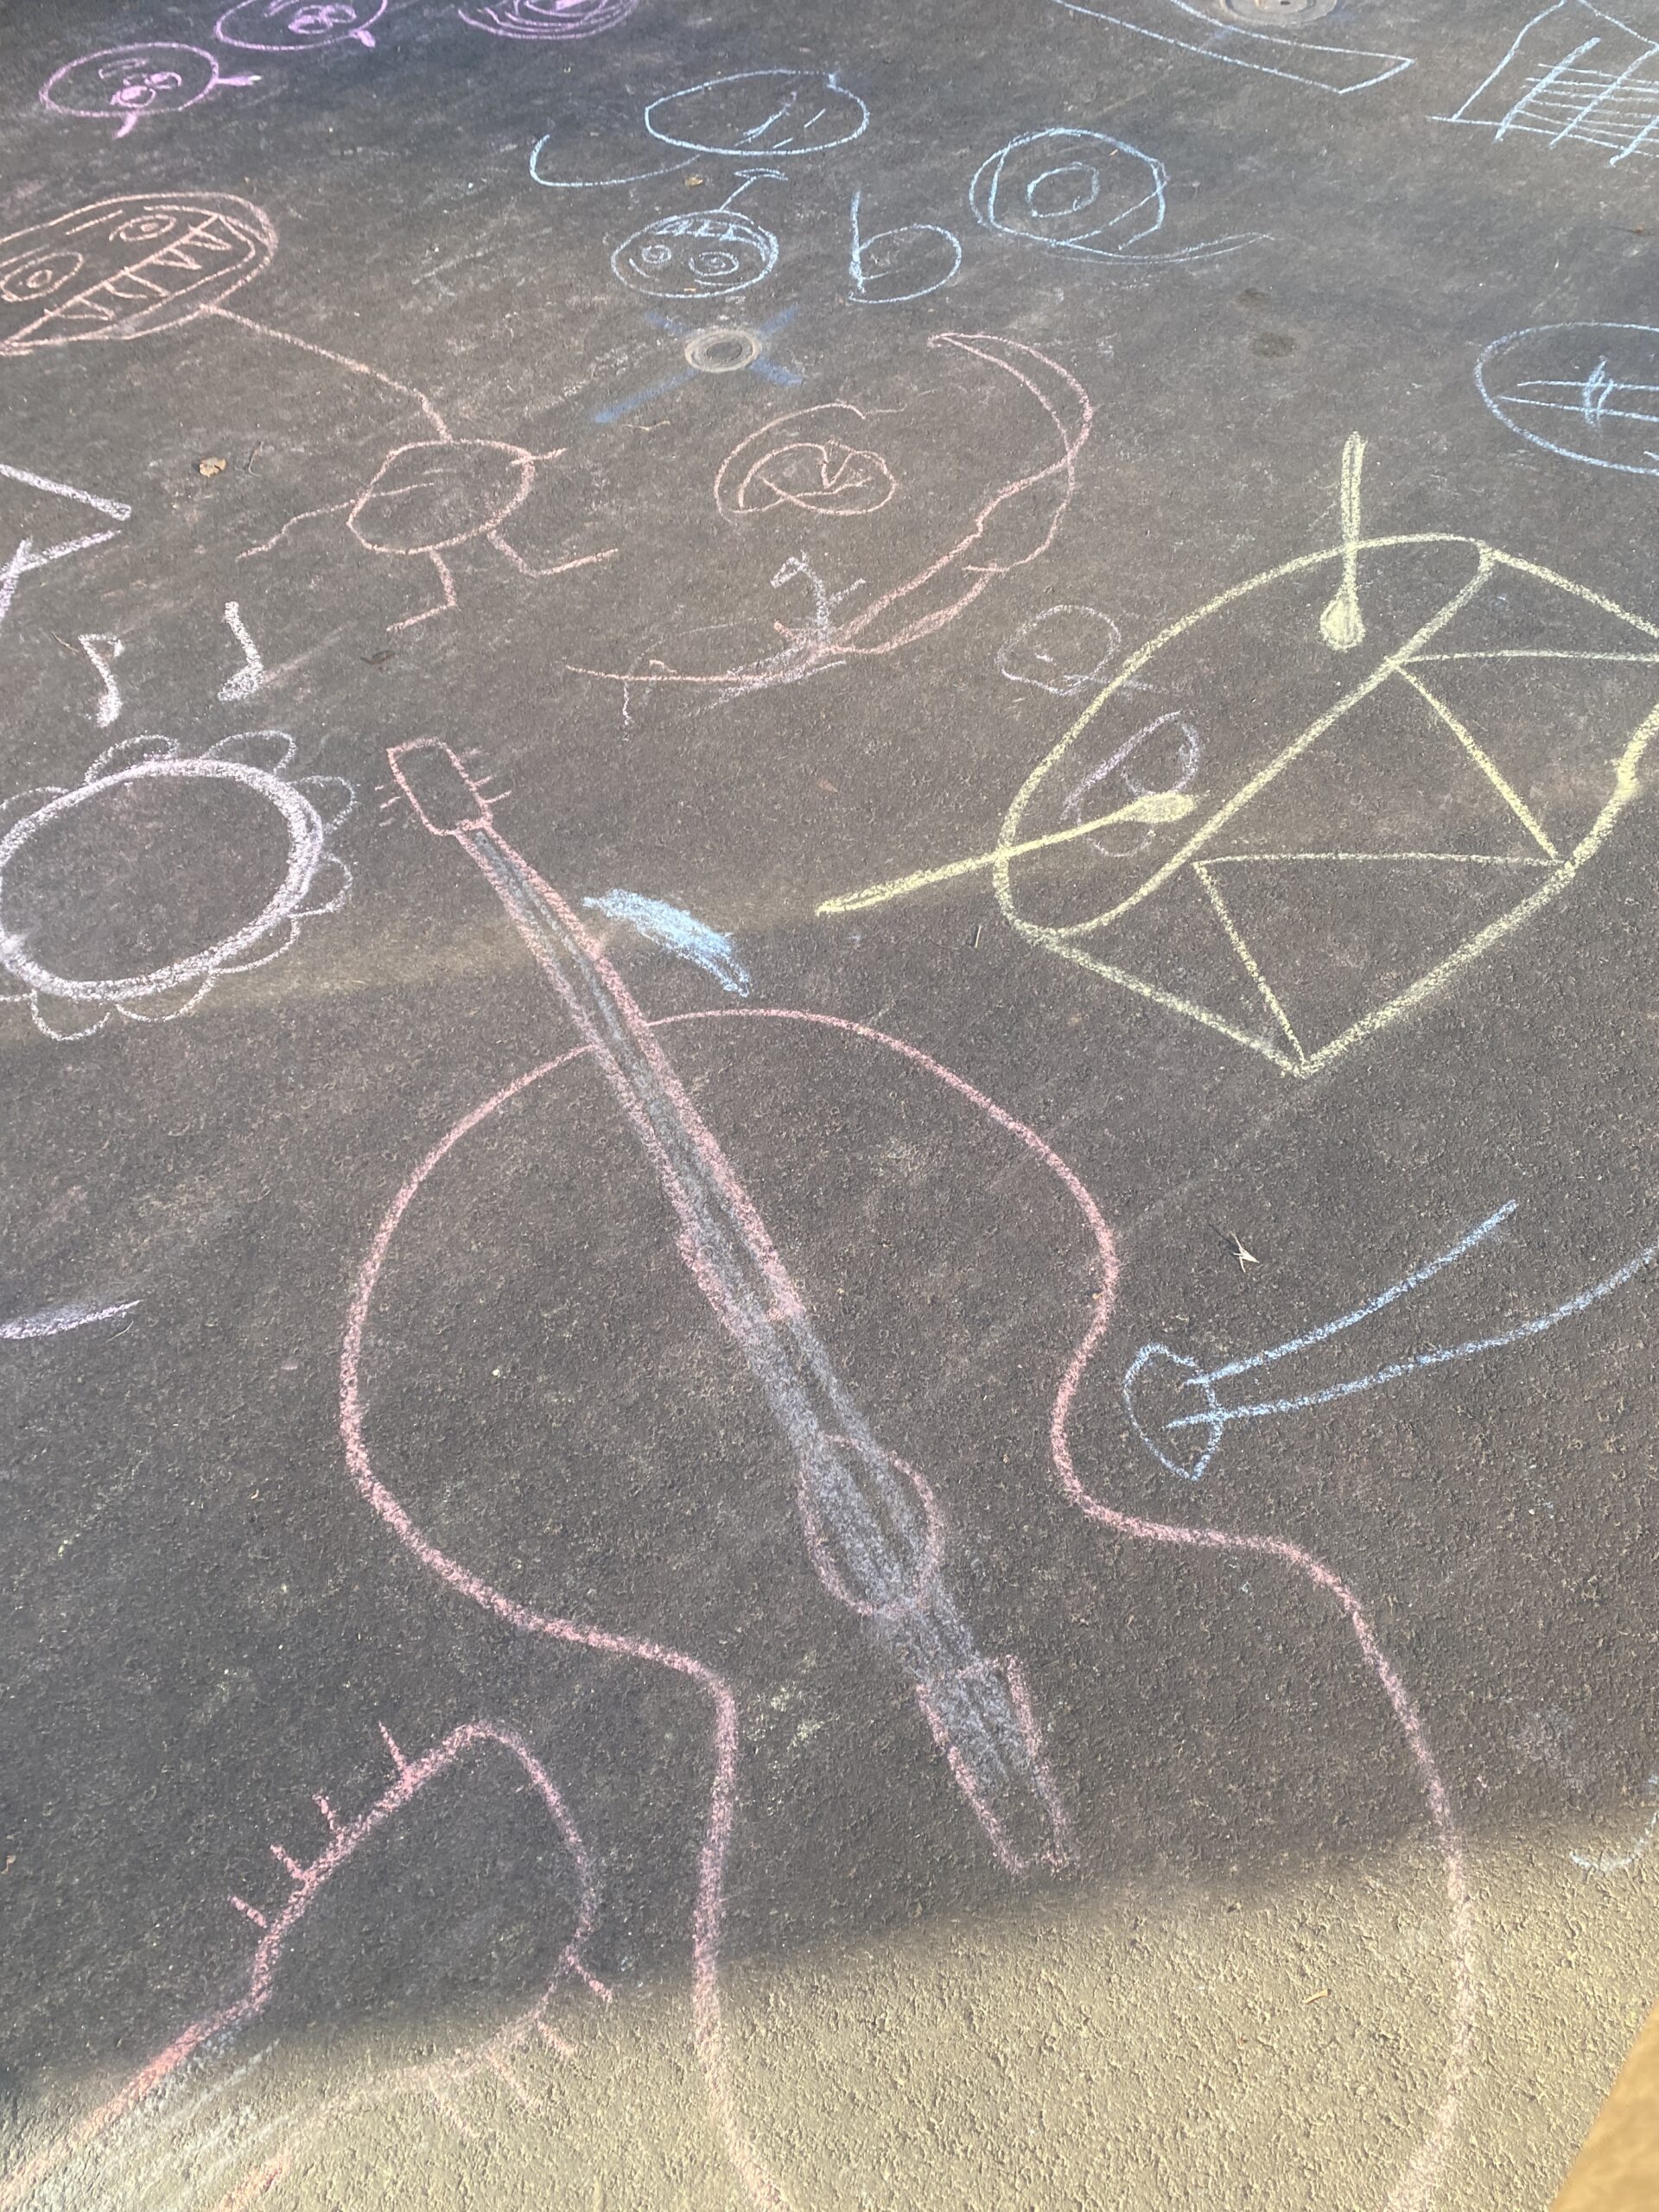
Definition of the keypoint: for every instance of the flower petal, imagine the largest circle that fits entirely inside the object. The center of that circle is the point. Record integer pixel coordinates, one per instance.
(12, 810)
(66, 1019)
(165, 1006)
(332, 796)
(330, 884)
(272, 946)
(127, 754)
(269, 749)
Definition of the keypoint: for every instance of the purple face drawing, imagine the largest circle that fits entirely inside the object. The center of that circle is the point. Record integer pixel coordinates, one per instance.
(545, 19)
(124, 268)
(295, 26)
(123, 84)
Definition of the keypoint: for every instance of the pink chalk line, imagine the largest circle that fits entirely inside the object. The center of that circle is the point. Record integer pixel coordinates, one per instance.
(346, 1837)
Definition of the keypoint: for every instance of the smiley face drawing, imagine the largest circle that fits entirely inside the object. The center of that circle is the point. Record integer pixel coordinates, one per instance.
(125, 84)
(545, 19)
(696, 257)
(297, 26)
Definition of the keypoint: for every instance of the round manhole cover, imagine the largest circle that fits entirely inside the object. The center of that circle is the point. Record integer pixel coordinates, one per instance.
(1269, 15)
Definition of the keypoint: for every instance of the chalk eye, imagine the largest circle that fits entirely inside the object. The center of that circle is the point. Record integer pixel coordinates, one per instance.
(144, 230)
(713, 266)
(1065, 190)
(44, 273)
(655, 257)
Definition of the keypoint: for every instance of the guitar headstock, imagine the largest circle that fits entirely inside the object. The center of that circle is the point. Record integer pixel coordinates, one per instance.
(445, 799)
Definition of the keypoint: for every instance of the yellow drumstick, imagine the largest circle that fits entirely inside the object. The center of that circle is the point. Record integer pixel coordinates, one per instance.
(1151, 806)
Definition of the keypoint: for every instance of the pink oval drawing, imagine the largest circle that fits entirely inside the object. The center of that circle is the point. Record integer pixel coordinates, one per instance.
(550, 19)
(124, 84)
(297, 26)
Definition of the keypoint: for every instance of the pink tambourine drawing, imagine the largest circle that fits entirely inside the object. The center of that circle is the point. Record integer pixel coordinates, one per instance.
(126, 85)
(297, 26)
(545, 19)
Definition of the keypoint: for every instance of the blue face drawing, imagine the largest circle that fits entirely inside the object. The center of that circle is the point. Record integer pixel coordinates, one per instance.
(696, 257)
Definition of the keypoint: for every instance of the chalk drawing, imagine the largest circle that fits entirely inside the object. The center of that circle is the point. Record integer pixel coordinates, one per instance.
(779, 114)
(1533, 863)
(427, 498)
(24, 560)
(104, 650)
(1620, 1862)
(869, 1527)
(429, 495)
(297, 26)
(545, 19)
(776, 113)
(676, 931)
(59, 1320)
(1082, 191)
(137, 2128)
(1338, 69)
(27, 557)
(1578, 73)
(889, 267)
(127, 268)
(251, 675)
(116, 510)
(1064, 650)
(54, 833)
(797, 460)
(1587, 391)
(702, 253)
(718, 349)
(1177, 1373)
(1016, 524)
(123, 85)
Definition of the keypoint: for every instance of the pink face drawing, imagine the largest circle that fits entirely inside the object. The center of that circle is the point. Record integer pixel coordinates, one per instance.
(295, 26)
(124, 84)
(545, 19)
(124, 268)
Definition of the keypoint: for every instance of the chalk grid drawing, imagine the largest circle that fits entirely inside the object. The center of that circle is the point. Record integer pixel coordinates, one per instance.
(1157, 1374)
(124, 85)
(218, 2149)
(1587, 391)
(145, 791)
(297, 26)
(994, 543)
(1302, 60)
(1244, 911)
(1577, 74)
(545, 19)
(1081, 192)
